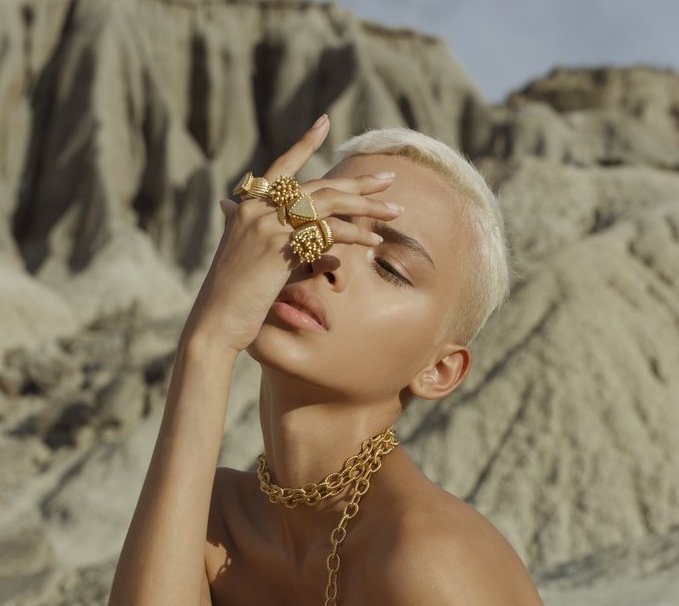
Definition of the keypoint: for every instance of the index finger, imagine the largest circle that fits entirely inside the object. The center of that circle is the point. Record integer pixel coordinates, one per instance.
(296, 157)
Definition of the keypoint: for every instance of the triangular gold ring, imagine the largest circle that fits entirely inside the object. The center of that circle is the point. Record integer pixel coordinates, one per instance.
(302, 211)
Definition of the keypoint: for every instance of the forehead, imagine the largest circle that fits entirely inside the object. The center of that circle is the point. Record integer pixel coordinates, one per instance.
(432, 207)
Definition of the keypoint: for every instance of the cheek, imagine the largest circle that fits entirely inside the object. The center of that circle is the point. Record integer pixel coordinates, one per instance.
(395, 341)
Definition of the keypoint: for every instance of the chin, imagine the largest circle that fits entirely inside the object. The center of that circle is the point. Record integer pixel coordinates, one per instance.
(274, 347)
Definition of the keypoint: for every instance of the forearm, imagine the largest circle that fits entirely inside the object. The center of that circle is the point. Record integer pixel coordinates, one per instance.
(162, 560)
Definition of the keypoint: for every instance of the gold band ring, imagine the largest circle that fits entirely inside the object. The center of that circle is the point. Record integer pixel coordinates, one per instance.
(327, 233)
(250, 186)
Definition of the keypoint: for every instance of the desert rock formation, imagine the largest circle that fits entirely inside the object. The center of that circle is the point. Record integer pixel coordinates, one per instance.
(121, 125)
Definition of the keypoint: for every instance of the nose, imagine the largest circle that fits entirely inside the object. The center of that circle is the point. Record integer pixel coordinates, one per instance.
(327, 266)
(333, 265)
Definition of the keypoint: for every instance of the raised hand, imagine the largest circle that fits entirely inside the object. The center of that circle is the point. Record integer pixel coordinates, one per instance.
(254, 258)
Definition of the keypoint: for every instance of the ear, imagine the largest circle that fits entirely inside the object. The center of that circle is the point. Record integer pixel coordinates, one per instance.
(444, 375)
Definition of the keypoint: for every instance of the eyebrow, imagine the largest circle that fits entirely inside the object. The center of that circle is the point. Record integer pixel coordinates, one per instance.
(391, 234)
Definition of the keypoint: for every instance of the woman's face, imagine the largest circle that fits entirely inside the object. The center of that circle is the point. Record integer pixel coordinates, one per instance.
(382, 328)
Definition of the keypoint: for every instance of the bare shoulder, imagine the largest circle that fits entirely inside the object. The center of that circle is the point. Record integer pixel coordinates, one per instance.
(231, 488)
(228, 497)
(228, 478)
(446, 552)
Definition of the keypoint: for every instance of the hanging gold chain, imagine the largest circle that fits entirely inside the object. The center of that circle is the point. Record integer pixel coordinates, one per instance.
(357, 471)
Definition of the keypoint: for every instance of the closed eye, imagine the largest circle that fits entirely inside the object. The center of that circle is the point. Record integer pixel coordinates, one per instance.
(381, 266)
(386, 271)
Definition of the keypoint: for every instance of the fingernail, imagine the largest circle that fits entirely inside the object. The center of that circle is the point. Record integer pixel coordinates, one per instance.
(394, 206)
(320, 121)
(384, 175)
(376, 238)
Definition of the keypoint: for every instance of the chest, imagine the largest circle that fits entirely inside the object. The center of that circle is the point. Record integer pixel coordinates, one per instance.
(246, 567)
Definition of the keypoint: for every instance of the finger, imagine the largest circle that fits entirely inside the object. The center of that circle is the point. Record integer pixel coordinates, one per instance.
(329, 201)
(351, 233)
(365, 184)
(296, 157)
(229, 207)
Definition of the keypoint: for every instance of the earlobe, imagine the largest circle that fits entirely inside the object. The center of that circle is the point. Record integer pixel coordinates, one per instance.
(437, 381)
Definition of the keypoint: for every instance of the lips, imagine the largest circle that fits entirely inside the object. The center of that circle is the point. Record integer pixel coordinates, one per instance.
(304, 301)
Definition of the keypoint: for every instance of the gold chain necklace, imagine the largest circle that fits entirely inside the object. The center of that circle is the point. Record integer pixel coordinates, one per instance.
(357, 469)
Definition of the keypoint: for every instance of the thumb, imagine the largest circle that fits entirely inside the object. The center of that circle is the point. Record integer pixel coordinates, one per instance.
(228, 207)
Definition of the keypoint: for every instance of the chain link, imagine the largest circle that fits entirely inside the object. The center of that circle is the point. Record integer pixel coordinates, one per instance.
(356, 471)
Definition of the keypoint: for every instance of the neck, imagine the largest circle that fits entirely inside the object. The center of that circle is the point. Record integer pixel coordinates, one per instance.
(308, 435)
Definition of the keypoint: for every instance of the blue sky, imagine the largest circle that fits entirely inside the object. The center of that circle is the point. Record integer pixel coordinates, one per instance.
(504, 44)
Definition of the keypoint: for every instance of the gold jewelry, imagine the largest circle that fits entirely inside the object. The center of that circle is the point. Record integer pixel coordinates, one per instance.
(327, 233)
(311, 240)
(357, 469)
(302, 211)
(282, 215)
(250, 186)
(283, 191)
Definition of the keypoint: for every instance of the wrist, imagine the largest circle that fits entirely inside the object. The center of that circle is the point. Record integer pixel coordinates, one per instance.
(197, 345)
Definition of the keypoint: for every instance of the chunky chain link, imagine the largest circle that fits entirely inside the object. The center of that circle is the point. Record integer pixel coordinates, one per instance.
(356, 471)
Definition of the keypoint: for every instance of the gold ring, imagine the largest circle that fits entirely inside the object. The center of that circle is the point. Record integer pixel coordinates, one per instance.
(283, 191)
(250, 186)
(302, 211)
(327, 233)
(311, 240)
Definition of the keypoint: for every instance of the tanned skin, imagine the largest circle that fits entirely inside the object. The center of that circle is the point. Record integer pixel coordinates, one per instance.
(205, 535)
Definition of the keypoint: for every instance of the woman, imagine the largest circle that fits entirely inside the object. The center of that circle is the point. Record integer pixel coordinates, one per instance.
(347, 326)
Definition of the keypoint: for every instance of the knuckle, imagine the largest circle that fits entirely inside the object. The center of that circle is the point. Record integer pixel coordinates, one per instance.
(312, 186)
(324, 192)
(228, 205)
(261, 226)
(356, 185)
(308, 143)
(229, 209)
(337, 226)
(358, 233)
(247, 209)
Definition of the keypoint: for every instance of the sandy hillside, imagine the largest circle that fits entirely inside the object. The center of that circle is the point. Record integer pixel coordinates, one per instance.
(121, 125)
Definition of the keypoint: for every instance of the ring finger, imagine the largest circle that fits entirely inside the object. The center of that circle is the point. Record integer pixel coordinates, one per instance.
(329, 201)
(351, 233)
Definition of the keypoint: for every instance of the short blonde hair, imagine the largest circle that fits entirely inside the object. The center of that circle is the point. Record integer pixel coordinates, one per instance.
(488, 278)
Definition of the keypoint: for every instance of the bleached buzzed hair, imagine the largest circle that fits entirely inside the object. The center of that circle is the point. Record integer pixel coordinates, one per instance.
(487, 282)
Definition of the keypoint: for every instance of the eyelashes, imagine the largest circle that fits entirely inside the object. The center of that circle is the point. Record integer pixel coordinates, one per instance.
(386, 271)
(382, 267)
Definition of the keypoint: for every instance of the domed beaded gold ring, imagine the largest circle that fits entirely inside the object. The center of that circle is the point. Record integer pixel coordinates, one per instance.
(283, 192)
(311, 240)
